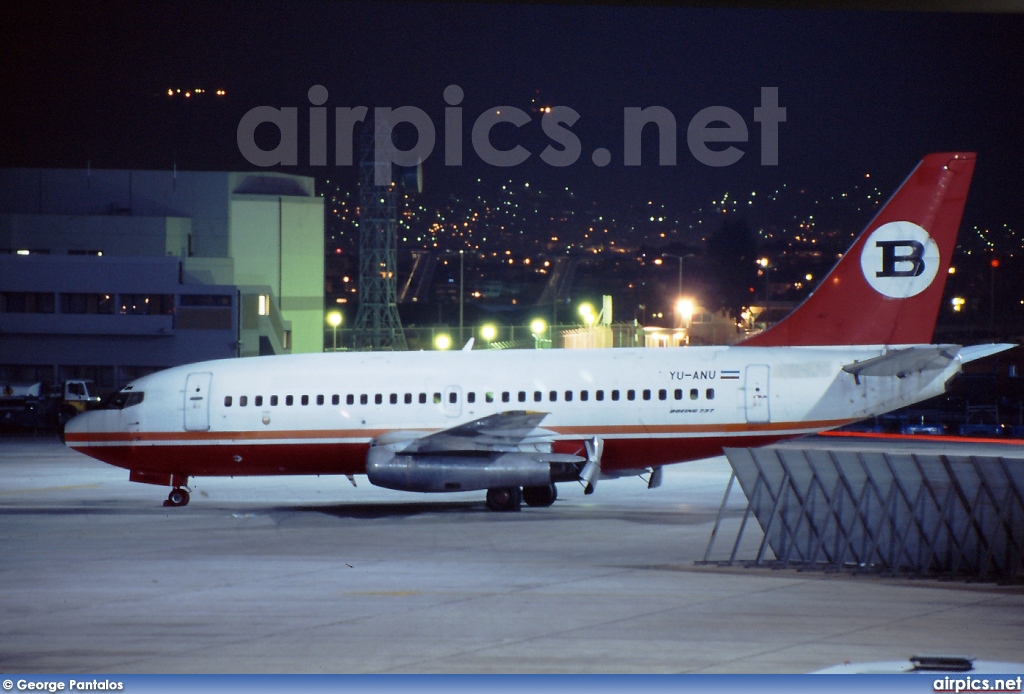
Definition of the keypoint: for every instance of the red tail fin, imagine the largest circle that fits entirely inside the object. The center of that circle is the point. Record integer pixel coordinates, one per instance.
(886, 290)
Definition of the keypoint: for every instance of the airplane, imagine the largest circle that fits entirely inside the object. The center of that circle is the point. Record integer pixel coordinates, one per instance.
(471, 420)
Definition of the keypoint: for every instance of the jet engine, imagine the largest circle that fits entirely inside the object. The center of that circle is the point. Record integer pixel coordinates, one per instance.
(459, 471)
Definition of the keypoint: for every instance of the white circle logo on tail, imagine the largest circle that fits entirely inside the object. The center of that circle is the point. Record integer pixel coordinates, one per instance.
(900, 259)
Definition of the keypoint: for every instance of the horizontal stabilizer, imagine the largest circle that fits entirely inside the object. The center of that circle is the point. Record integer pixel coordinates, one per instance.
(975, 352)
(901, 362)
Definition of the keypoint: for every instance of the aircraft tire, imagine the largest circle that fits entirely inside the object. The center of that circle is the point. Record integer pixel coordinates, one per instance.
(540, 496)
(178, 497)
(504, 499)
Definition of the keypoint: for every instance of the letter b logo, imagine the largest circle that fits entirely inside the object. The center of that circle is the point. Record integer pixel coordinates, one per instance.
(899, 259)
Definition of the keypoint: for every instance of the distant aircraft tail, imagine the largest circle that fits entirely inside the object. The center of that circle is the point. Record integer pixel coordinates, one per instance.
(887, 288)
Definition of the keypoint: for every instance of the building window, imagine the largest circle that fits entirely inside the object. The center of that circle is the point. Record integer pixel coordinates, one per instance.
(146, 304)
(263, 305)
(78, 303)
(27, 302)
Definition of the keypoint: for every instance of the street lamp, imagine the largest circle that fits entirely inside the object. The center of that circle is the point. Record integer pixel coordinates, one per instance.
(587, 313)
(538, 326)
(488, 333)
(334, 320)
(443, 342)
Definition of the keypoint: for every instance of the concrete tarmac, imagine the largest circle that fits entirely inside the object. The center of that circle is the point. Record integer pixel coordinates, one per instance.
(304, 574)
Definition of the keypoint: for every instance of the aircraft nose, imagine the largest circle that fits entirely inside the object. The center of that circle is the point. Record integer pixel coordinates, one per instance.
(76, 427)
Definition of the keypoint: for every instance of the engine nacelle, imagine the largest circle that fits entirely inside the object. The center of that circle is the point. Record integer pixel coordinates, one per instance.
(460, 473)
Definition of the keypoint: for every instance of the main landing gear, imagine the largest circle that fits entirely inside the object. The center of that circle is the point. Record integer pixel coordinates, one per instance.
(179, 496)
(512, 498)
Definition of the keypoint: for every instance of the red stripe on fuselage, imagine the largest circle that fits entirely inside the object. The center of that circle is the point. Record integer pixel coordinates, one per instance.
(241, 459)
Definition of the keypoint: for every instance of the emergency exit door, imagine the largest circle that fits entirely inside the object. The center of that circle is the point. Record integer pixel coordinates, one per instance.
(197, 401)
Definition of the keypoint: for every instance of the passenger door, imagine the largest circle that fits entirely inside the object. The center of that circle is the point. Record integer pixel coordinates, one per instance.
(197, 401)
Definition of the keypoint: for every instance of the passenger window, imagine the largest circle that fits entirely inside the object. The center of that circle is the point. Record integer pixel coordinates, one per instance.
(647, 394)
(662, 394)
(568, 396)
(470, 397)
(350, 399)
(437, 398)
(335, 399)
(319, 400)
(599, 395)
(273, 401)
(522, 396)
(408, 398)
(615, 395)
(363, 399)
(537, 396)
(423, 398)
(693, 393)
(259, 401)
(378, 399)
(553, 396)
(678, 394)
(227, 401)
(289, 400)
(489, 396)
(505, 397)
(453, 397)
(305, 400)
(710, 393)
(243, 401)
(584, 395)
(394, 399)
(630, 395)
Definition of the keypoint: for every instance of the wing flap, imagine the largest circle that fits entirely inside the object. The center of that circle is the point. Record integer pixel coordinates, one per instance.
(496, 432)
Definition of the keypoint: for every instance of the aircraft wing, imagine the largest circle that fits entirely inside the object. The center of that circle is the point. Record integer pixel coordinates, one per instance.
(496, 432)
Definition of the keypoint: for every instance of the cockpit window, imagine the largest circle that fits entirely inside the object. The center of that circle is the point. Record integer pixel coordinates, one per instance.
(123, 399)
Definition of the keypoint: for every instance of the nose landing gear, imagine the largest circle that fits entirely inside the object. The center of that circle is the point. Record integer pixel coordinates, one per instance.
(179, 496)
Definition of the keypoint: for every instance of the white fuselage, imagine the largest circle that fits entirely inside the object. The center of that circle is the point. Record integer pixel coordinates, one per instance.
(318, 413)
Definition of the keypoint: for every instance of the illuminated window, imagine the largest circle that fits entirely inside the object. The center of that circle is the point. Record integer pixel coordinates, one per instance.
(263, 307)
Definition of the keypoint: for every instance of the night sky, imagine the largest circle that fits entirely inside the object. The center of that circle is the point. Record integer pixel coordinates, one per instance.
(864, 91)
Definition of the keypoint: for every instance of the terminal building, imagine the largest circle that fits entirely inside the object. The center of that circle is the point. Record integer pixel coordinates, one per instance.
(111, 274)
